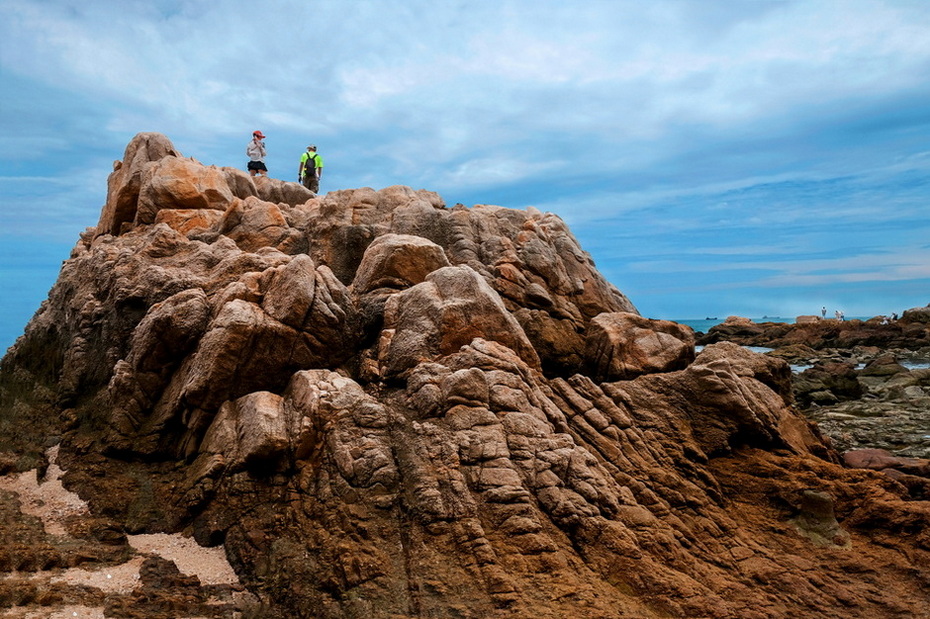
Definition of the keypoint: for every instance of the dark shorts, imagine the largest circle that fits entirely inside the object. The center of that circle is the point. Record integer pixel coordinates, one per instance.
(312, 183)
(257, 165)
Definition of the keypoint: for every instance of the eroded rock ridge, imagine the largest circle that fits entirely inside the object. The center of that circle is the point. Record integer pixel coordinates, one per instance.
(386, 407)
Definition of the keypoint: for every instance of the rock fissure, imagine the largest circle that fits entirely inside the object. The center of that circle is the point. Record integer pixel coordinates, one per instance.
(384, 407)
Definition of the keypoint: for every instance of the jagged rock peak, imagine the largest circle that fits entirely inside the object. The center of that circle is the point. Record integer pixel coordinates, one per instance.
(385, 407)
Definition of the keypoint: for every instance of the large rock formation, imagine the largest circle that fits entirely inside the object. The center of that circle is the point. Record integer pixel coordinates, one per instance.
(384, 407)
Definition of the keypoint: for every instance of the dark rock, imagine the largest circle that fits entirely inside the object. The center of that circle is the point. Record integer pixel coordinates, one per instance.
(839, 380)
(884, 365)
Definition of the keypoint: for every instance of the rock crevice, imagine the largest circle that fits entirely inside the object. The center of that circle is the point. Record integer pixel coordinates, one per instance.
(385, 407)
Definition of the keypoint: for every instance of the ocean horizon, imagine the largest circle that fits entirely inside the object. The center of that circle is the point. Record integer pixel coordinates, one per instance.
(703, 325)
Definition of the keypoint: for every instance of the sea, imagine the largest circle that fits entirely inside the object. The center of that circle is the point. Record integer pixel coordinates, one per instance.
(704, 324)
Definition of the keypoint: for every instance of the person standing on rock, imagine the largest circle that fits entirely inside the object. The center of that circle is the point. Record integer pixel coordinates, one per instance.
(256, 152)
(311, 169)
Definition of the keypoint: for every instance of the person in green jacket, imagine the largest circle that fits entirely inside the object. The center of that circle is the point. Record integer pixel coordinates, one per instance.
(311, 169)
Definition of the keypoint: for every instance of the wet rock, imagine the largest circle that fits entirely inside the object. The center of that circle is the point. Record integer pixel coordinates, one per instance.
(883, 365)
(827, 382)
(879, 460)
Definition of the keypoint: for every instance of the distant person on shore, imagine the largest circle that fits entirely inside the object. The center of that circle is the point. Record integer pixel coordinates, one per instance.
(311, 169)
(823, 311)
(836, 314)
(256, 152)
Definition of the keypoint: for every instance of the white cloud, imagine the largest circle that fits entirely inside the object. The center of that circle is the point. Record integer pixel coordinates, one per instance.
(647, 68)
(658, 123)
(492, 170)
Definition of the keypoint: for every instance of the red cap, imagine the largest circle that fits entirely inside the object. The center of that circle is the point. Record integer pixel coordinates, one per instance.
(259, 135)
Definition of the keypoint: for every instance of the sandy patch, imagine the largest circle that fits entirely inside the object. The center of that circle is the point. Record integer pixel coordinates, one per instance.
(207, 564)
(48, 501)
(52, 504)
(121, 578)
(66, 612)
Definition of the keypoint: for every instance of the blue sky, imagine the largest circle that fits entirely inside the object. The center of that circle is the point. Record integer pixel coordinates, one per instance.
(722, 157)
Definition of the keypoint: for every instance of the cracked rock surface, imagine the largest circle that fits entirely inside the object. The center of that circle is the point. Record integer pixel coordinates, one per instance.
(382, 406)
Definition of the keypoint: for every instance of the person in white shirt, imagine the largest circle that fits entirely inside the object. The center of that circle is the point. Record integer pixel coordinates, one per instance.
(256, 152)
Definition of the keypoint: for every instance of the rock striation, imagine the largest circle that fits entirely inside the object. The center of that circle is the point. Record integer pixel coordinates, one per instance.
(382, 406)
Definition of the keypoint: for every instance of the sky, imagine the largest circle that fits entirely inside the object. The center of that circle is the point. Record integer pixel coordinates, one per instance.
(715, 157)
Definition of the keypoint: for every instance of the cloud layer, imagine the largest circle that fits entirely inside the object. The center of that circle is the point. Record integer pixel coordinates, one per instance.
(712, 156)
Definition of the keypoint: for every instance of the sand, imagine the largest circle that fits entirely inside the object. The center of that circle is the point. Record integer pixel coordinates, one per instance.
(52, 504)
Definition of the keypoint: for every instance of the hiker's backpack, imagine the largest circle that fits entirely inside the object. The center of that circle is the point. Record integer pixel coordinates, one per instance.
(310, 163)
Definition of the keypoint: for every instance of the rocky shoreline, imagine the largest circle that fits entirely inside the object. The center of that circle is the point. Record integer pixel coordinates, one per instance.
(865, 382)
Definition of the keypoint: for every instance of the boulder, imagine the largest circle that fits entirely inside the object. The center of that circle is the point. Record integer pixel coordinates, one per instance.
(621, 346)
(833, 380)
(883, 365)
(917, 314)
(881, 460)
(447, 311)
(254, 224)
(125, 182)
(396, 262)
(733, 328)
(277, 191)
(250, 431)
(174, 182)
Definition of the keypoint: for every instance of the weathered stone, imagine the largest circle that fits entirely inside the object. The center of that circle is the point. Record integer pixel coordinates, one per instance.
(623, 346)
(397, 261)
(906, 333)
(837, 379)
(278, 191)
(250, 431)
(383, 407)
(447, 311)
(818, 521)
(189, 221)
(125, 182)
(884, 365)
(291, 291)
(254, 224)
(179, 183)
(917, 314)
(879, 460)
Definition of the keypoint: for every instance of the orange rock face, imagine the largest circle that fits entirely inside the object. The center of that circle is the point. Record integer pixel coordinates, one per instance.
(385, 407)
